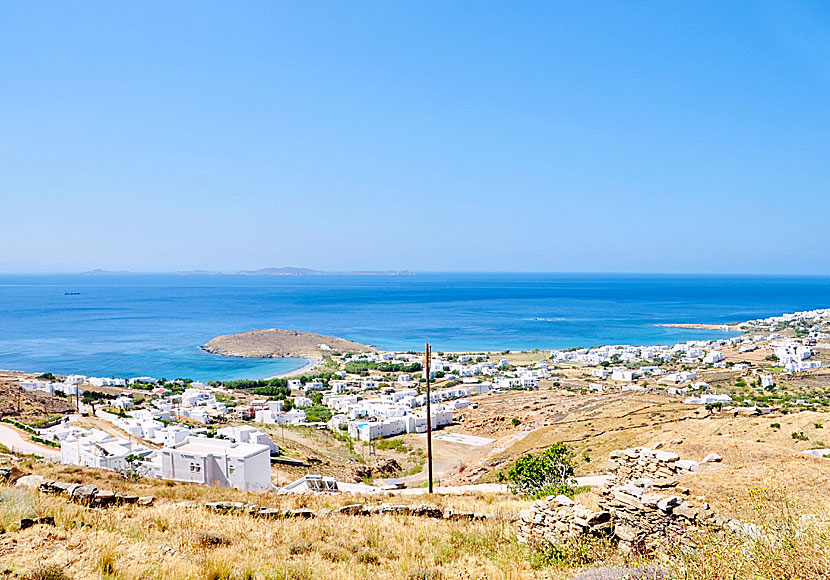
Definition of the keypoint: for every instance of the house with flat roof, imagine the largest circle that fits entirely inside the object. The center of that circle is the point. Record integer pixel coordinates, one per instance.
(219, 462)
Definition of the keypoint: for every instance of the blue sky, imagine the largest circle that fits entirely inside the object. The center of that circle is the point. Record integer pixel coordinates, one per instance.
(549, 136)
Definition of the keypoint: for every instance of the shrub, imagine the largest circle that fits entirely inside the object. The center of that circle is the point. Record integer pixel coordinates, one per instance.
(516, 422)
(547, 473)
(48, 572)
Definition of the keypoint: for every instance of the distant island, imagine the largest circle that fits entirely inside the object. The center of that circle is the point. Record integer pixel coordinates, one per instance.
(279, 343)
(284, 271)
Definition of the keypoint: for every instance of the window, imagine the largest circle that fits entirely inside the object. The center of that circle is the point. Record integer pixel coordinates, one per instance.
(195, 468)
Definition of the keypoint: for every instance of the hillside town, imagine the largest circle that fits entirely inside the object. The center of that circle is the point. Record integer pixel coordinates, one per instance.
(213, 434)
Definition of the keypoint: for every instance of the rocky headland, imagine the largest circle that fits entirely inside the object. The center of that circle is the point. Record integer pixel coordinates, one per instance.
(281, 343)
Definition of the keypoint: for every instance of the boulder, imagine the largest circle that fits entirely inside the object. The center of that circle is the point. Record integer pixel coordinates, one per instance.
(30, 481)
(712, 458)
(146, 500)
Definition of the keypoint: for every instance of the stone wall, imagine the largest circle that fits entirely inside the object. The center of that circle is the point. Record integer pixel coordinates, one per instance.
(631, 464)
(558, 518)
(645, 509)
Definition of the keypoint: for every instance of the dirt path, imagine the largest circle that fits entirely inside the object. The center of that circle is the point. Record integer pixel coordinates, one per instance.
(19, 442)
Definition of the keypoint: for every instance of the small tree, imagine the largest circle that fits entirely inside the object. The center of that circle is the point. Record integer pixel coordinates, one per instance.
(134, 468)
(547, 473)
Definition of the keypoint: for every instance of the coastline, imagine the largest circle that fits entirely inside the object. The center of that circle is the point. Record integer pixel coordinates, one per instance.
(311, 364)
(730, 327)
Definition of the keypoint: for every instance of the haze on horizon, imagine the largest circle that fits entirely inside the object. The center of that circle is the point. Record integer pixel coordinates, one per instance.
(536, 136)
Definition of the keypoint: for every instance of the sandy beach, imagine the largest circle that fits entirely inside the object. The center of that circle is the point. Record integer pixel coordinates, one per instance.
(311, 364)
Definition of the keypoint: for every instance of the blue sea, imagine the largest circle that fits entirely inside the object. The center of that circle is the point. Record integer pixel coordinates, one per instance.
(147, 324)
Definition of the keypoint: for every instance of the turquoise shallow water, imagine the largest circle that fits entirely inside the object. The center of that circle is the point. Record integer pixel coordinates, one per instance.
(128, 325)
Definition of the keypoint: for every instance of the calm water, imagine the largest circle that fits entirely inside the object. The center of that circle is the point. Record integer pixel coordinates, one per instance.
(128, 325)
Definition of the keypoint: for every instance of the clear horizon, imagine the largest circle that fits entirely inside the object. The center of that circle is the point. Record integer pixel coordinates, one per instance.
(446, 137)
(96, 272)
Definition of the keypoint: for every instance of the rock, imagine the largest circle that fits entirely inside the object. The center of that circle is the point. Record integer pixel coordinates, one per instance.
(628, 500)
(712, 458)
(29, 522)
(10, 474)
(84, 492)
(212, 539)
(664, 483)
(668, 504)
(631, 490)
(667, 456)
(219, 506)
(30, 481)
(688, 465)
(685, 510)
(650, 572)
(301, 513)
(427, 511)
(563, 500)
(103, 498)
(625, 533)
(145, 500)
(356, 509)
(270, 513)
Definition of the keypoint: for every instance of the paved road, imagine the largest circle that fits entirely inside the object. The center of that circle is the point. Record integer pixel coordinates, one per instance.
(19, 442)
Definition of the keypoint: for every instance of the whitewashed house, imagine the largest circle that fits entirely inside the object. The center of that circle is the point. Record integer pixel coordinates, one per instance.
(245, 466)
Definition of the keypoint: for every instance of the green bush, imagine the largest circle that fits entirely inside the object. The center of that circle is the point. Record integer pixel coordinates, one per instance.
(547, 473)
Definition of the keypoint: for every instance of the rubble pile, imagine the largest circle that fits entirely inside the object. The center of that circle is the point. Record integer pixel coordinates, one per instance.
(630, 464)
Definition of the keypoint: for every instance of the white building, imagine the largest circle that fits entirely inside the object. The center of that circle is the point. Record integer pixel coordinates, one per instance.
(623, 375)
(245, 466)
(708, 399)
(248, 434)
(302, 402)
(96, 448)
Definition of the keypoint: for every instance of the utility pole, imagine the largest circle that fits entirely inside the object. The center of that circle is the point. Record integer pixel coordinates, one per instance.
(429, 421)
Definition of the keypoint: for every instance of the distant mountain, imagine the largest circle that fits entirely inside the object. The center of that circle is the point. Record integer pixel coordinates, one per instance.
(287, 271)
(99, 272)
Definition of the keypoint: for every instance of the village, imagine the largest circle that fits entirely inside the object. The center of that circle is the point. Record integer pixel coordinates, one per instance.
(221, 434)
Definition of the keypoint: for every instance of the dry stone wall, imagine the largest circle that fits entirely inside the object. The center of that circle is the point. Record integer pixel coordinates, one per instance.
(646, 509)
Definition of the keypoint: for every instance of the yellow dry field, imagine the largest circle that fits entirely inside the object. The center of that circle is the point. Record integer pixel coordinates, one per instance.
(174, 541)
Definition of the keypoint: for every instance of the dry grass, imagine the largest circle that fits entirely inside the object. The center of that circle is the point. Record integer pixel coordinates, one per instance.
(790, 545)
(169, 542)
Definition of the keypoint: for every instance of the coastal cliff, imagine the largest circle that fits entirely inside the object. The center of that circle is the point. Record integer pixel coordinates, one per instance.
(279, 343)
